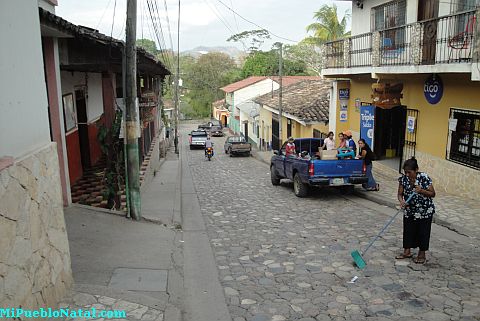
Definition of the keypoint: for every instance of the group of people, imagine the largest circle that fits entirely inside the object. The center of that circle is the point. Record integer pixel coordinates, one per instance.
(364, 152)
(418, 212)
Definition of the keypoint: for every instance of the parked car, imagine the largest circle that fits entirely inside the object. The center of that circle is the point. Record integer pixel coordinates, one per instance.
(197, 138)
(204, 126)
(216, 131)
(235, 145)
(306, 173)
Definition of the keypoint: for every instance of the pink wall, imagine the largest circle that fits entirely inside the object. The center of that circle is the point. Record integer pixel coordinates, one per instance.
(54, 108)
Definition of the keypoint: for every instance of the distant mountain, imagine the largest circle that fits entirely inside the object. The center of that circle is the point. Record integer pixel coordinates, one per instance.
(201, 50)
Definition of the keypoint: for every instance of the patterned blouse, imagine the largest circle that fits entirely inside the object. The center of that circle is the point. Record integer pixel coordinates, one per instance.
(421, 207)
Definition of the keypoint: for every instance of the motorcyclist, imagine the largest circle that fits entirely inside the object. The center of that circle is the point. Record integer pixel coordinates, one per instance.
(208, 144)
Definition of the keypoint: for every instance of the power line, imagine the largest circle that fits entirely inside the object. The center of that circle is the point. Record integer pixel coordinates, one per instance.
(113, 20)
(168, 24)
(165, 54)
(255, 24)
(103, 14)
(219, 17)
(157, 32)
(234, 17)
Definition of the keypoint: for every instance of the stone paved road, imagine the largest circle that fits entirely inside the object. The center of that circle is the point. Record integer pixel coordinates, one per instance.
(284, 258)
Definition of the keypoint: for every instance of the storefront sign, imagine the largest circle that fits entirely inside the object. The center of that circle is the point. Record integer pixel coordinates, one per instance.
(344, 93)
(411, 124)
(343, 116)
(367, 124)
(433, 89)
(343, 104)
(452, 124)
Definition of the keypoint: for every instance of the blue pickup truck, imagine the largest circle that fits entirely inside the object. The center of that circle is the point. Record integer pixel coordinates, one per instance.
(315, 172)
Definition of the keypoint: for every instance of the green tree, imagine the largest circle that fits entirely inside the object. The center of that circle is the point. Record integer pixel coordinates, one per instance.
(256, 38)
(265, 63)
(149, 45)
(328, 27)
(203, 79)
(308, 53)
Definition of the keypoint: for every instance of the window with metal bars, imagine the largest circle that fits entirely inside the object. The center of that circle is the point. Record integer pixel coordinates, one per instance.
(389, 15)
(463, 5)
(465, 139)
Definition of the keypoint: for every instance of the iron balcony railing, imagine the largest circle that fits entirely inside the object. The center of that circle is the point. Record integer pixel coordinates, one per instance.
(443, 40)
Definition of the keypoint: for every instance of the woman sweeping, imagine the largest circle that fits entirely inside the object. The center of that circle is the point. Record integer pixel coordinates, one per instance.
(417, 221)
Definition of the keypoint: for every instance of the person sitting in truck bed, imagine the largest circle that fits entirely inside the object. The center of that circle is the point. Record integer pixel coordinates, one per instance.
(290, 147)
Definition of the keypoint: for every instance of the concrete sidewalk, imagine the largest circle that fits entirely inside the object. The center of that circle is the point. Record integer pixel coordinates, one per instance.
(134, 266)
(456, 213)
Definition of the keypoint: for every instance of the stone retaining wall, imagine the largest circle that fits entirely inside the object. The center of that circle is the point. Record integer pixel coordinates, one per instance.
(35, 268)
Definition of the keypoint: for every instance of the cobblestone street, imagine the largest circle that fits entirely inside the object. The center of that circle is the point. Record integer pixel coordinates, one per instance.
(280, 257)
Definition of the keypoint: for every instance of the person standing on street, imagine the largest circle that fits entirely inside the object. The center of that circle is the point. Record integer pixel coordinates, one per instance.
(367, 155)
(417, 220)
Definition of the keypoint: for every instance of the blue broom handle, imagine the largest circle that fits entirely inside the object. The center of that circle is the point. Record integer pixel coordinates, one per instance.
(387, 225)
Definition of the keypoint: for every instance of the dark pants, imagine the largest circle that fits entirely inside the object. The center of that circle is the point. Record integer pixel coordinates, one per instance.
(416, 233)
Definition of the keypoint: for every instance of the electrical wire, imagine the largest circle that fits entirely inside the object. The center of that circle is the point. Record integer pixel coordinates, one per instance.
(158, 31)
(255, 24)
(103, 14)
(113, 20)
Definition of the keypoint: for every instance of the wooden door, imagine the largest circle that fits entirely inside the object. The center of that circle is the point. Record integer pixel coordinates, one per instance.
(428, 10)
(82, 119)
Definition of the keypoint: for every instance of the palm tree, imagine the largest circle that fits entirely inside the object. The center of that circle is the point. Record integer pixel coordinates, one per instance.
(327, 26)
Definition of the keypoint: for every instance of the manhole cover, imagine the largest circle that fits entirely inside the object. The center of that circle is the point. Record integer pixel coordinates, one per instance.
(139, 280)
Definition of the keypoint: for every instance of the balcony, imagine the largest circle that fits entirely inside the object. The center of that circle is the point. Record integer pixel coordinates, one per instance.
(444, 44)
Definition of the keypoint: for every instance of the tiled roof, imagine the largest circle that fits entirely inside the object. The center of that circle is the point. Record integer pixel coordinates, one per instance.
(290, 80)
(242, 83)
(308, 100)
(61, 24)
(218, 103)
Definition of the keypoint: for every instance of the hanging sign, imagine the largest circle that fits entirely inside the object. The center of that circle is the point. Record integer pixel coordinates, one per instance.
(344, 93)
(367, 124)
(411, 124)
(433, 89)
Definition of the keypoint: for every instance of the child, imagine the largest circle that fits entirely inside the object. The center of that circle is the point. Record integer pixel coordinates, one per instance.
(290, 147)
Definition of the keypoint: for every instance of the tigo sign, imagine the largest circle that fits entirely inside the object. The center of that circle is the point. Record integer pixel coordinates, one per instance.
(433, 89)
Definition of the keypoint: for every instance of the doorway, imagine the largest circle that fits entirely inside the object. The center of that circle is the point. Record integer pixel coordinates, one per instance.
(82, 118)
(428, 9)
(275, 134)
(245, 130)
(389, 134)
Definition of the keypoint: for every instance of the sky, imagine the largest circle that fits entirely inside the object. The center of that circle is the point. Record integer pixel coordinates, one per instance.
(202, 22)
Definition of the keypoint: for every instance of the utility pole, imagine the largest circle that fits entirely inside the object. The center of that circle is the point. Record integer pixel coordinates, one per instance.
(131, 116)
(177, 76)
(280, 94)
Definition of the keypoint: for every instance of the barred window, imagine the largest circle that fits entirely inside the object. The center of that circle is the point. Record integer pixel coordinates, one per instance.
(389, 15)
(465, 139)
(463, 5)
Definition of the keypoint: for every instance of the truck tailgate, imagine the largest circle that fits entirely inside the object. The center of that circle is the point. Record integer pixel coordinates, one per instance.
(241, 146)
(338, 168)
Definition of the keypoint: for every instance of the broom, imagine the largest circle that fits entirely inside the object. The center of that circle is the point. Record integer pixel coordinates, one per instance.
(357, 257)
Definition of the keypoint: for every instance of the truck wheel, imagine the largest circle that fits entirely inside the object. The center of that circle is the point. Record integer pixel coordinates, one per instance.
(300, 189)
(274, 177)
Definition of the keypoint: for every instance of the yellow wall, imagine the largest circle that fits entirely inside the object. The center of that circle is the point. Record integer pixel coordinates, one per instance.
(432, 122)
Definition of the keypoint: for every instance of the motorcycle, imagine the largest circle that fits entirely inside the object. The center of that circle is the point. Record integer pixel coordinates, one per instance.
(209, 153)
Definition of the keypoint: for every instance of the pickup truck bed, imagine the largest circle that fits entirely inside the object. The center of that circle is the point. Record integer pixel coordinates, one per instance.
(305, 173)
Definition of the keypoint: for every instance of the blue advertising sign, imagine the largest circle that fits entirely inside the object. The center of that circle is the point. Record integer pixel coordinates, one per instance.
(433, 89)
(344, 93)
(367, 124)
